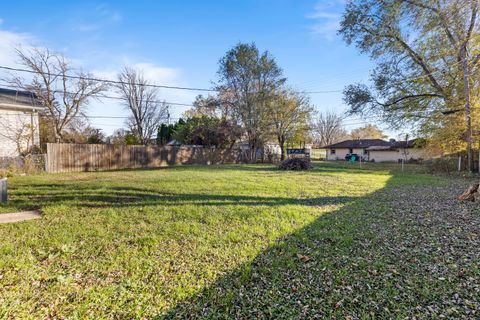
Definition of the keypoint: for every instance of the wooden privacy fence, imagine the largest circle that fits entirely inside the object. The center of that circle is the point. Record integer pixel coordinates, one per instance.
(66, 157)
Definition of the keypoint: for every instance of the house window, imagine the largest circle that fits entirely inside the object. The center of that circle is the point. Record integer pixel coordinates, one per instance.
(350, 150)
(332, 151)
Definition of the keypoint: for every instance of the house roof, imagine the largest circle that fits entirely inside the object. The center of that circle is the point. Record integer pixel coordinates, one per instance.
(381, 148)
(361, 143)
(406, 144)
(374, 144)
(15, 99)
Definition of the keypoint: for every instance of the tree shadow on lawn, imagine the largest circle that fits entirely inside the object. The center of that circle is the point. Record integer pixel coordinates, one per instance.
(324, 166)
(100, 196)
(203, 167)
(402, 252)
(114, 197)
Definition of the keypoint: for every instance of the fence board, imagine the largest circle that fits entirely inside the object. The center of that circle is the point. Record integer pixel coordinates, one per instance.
(66, 157)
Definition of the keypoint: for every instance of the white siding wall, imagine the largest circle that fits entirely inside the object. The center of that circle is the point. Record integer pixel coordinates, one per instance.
(380, 156)
(272, 148)
(388, 156)
(11, 123)
(385, 156)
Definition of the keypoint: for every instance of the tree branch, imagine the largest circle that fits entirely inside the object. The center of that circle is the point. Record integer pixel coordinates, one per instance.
(412, 96)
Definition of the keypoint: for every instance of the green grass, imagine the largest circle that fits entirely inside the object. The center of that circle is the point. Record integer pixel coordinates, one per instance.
(230, 242)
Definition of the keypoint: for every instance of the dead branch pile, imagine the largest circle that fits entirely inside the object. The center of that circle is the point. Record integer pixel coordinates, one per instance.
(295, 164)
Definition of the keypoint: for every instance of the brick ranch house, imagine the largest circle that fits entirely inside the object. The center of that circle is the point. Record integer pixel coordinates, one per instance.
(377, 150)
(19, 129)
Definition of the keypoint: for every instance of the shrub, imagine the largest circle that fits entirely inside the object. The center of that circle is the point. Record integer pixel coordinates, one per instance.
(295, 164)
(26, 164)
(415, 161)
(441, 165)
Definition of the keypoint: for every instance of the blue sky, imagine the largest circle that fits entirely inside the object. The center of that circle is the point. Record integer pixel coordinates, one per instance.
(180, 42)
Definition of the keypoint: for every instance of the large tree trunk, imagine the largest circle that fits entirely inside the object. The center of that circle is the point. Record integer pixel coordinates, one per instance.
(253, 152)
(282, 149)
(468, 115)
(58, 137)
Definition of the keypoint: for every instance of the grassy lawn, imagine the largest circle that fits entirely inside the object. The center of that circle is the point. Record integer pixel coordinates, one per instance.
(241, 241)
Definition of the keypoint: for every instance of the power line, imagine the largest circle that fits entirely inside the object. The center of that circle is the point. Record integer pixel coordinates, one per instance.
(446, 67)
(327, 78)
(215, 90)
(101, 96)
(137, 84)
(169, 118)
(111, 124)
(82, 116)
(193, 88)
(168, 103)
(321, 91)
(189, 88)
(107, 80)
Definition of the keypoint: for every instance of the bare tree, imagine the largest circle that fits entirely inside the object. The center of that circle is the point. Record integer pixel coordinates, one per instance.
(19, 129)
(328, 128)
(62, 90)
(141, 100)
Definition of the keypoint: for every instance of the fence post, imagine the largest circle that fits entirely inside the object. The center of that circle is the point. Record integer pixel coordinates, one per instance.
(3, 190)
(403, 164)
(459, 163)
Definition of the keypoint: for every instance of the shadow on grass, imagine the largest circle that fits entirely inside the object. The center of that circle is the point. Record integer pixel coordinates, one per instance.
(202, 167)
(101, 196)
(366, 260)
(400, 252)
(114, 197)
(319, 166)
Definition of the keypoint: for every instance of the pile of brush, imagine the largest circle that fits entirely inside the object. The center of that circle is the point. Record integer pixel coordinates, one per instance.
(295, 164)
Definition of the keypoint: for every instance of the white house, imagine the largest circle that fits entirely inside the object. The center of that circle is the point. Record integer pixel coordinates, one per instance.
(19, 126)
(266, 151)
(398, 150)
(377, 150)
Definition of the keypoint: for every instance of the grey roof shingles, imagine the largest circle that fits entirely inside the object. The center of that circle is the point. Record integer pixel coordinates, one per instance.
(362, 143)
(406, 144)
(18, 97)
(372, 144)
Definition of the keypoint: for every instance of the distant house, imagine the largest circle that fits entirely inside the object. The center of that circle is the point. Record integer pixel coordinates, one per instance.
(269, 151)
(377, 150)
(19, 128)
(264, 152)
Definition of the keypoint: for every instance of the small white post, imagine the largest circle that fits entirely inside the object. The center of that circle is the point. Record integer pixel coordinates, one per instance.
(3, 190)
(459, 163)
